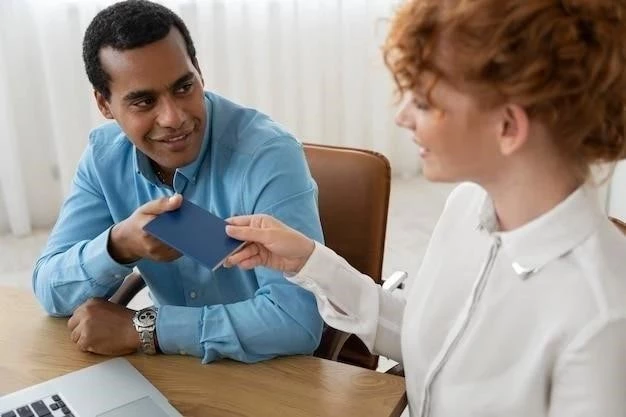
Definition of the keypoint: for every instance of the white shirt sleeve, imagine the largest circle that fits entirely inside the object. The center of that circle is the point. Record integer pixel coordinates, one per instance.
(352, 302)
(590, 377)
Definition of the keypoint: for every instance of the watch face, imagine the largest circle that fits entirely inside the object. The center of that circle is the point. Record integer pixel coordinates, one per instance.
(147, 317)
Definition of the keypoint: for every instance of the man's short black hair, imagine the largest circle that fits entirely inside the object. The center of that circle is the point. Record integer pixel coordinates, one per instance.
(127, 25)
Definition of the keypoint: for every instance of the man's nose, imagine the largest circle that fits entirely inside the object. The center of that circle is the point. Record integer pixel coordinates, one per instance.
(170, 114)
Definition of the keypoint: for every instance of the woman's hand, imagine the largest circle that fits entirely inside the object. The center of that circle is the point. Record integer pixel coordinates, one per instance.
(270, 243)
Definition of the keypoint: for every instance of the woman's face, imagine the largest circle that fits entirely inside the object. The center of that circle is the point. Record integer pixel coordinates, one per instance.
(458, 141)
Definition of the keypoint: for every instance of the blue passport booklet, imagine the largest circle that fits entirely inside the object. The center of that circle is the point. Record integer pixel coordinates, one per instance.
(196, 233)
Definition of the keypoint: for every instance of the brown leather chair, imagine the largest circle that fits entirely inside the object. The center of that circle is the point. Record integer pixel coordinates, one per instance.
(354, 187)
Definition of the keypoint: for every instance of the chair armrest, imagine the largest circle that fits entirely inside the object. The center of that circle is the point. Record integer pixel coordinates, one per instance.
(332, 342)
(395, 281)
(131, 286)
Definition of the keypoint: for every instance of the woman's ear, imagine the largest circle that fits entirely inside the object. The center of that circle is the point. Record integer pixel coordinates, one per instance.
(515, 126)
(103, 105)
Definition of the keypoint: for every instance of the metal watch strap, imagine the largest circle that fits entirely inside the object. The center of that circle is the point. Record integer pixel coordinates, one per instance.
(147, 342)
(146, 332)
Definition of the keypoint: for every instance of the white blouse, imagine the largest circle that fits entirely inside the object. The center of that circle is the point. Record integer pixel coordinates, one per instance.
(525, 323)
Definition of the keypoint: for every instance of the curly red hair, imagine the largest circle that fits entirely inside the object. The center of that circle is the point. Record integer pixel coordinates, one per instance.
(564, 61)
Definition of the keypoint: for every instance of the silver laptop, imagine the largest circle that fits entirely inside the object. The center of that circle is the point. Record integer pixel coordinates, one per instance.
(113, 388)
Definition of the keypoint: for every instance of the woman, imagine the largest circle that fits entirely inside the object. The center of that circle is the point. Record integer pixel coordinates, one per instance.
(519, 308)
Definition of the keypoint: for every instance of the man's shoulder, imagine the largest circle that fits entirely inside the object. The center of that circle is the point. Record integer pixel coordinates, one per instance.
(109, 141)
(246, 130)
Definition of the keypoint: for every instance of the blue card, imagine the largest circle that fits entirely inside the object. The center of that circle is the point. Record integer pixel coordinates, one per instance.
(196, 233)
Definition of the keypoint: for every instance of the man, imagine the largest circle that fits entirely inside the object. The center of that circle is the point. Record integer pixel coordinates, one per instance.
(172, 140)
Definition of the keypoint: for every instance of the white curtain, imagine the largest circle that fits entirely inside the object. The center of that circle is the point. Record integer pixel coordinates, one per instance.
(313, 65)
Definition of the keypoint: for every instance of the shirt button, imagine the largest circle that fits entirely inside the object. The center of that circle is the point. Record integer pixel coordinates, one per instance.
(118, 276)
(193, 295)
(182, 352)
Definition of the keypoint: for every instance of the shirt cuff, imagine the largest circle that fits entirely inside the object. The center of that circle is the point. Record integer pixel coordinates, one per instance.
(388, 331)
(99, 265)
(179, 330)
(319, 269)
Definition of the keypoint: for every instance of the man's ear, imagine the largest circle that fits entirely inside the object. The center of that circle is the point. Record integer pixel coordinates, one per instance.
(103, 105)
(515, 126)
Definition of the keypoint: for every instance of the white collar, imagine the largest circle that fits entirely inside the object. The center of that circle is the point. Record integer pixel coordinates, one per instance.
(548, 237)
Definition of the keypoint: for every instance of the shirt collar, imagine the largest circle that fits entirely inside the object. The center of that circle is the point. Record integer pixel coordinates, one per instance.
(189, 171)
(548, 237)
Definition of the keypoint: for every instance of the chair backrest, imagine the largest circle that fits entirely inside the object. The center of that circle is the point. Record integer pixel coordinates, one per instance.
(354, 187)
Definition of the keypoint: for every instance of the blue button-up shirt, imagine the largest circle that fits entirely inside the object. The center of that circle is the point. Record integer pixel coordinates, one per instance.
(247, 164)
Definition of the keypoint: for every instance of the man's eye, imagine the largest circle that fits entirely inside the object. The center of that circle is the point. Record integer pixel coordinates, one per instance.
(146, 102)
(184, 88)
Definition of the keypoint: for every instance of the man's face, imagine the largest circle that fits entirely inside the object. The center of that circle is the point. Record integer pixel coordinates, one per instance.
(157, 98)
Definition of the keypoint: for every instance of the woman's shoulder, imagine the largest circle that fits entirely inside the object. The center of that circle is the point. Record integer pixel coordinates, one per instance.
(466, 195)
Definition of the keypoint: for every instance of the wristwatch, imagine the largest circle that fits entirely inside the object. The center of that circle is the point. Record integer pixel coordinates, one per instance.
(145, 324)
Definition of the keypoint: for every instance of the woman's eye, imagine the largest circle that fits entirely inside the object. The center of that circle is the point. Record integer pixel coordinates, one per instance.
(421, 105)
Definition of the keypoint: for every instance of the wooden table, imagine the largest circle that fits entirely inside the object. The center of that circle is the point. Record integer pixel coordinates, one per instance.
(34, 348)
